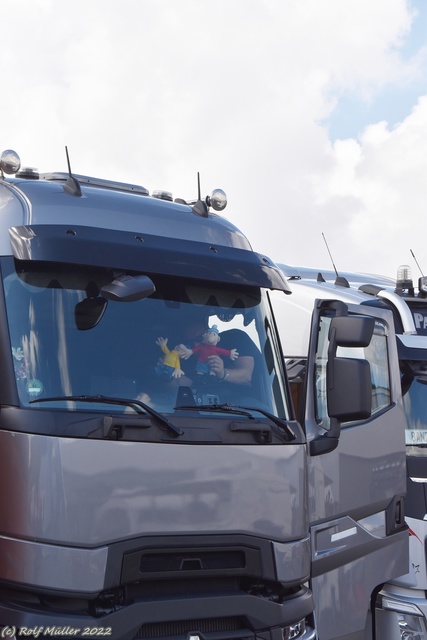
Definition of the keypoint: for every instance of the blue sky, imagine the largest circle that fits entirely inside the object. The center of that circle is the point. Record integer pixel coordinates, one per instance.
(352, 114)
(310, 114)
(393, 102)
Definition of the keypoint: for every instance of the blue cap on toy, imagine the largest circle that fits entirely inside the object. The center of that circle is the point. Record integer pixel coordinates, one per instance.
(213, 329)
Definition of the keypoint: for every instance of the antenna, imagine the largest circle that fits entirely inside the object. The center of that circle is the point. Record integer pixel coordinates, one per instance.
(200, 207)
(416, 262)
(68, 160)
(72, 186)
(339, 281)
(330, 255)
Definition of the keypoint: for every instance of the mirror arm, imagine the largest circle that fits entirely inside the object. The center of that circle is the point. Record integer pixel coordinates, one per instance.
(327, 442)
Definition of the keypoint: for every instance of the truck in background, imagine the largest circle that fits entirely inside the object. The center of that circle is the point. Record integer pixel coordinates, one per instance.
(147, 496)
(345, 577)
(401, 606)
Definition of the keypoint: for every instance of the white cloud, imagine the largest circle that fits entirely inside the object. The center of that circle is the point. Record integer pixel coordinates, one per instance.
(156, 90)
(378, 191)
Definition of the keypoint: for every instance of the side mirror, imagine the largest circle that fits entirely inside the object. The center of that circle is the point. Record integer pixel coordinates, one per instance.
(351, 331)
(349, 390)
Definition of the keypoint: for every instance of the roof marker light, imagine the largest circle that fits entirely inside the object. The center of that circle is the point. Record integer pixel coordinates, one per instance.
(163, 195)
(29, 173)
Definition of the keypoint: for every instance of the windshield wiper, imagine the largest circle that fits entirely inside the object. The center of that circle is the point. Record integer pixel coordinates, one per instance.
(124, 402)
(243, 411)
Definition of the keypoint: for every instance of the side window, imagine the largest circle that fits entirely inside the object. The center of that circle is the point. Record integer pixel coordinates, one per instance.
(376, 353)
(320, 387)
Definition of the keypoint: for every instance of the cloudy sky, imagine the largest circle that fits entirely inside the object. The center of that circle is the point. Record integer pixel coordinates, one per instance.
(310, 114)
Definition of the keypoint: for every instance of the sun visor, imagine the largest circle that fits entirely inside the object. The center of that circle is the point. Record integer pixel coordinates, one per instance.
(92, 246)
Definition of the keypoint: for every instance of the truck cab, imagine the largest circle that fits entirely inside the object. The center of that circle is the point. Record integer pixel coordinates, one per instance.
(155, 480)
(401, 606)
(143, 495)
(359, 539)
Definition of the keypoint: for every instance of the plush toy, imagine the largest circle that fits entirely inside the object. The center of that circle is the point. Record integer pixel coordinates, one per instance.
(170, 366)
(207, 348)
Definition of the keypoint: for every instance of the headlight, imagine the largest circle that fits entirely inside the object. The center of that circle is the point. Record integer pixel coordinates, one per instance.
(411, 627)
(295, 631)
(410, 619)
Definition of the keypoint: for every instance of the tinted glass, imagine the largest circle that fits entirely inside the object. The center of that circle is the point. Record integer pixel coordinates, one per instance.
(67, 340)
(375, 353)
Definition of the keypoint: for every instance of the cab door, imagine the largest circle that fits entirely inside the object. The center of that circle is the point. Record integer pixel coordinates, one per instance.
(355, 429)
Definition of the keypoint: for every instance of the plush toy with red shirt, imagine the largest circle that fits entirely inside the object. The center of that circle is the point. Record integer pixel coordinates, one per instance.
(208, 347)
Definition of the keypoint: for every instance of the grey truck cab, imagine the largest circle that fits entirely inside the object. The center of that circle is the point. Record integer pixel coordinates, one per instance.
(153, 478)
(401, 605)
(359, 539)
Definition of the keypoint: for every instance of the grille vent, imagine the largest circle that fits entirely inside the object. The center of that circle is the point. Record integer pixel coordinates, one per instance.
(185, 627)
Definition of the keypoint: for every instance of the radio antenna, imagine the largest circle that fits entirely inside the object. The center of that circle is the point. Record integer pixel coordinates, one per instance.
(72, 185)
(341, 281)
(200, 207)
(416, 262)
(330, 255)
(68, 160)
(199, 193)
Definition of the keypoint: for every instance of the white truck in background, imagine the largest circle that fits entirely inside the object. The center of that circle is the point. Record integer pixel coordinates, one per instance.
(401, 605)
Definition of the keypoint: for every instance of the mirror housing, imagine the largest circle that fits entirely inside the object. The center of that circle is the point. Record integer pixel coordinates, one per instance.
(349, 395)
(351, 331)
(349, 389)
(126, 288)
(123, 288)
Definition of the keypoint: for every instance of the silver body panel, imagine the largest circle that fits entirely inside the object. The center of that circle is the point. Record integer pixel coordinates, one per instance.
(416, 577)
(36, 202)
(353, 557)
(80, 495)
(351, 553)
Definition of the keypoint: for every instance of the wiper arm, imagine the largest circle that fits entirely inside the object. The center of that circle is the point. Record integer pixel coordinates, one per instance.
(220, 408)
(124, 402)
(282, 424)
(244, 411)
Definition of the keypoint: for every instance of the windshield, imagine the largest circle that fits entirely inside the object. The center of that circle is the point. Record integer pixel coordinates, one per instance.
(414, 390)
(188, 343)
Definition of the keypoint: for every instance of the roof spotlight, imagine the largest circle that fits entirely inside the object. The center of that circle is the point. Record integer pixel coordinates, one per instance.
(218, 200)
(422, 284)
(10, 162)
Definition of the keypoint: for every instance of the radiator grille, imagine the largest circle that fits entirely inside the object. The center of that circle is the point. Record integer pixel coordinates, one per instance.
(185, 627)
